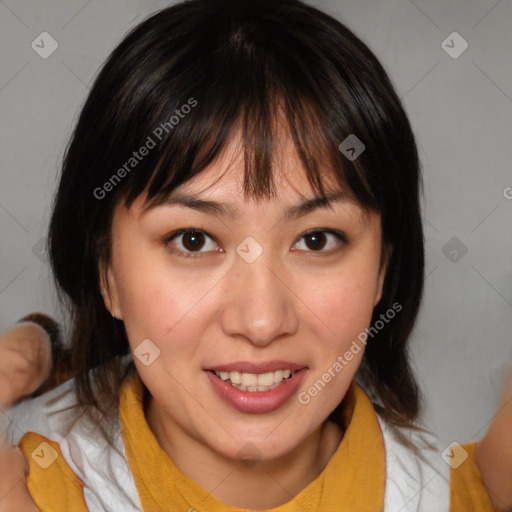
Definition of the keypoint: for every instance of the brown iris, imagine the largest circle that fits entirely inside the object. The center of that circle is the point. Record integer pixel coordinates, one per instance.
(315, 240)
(193, 240)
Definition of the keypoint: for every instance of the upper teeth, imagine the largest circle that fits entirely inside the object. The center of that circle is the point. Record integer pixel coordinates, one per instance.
(254, 379)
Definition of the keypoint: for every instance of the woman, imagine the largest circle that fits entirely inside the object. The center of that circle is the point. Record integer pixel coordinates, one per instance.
(239, 210)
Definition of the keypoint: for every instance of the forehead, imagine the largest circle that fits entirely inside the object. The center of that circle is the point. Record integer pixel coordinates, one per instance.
(223, 179)
(218, 190)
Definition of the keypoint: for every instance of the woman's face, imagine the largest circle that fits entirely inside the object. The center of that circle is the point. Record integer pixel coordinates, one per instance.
(256, 288)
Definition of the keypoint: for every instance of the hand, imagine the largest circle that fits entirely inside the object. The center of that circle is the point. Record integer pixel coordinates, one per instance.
(494, 452)
(14, 494)
(25, 362)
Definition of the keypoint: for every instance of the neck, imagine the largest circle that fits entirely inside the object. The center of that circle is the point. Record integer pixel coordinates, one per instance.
(235, 484)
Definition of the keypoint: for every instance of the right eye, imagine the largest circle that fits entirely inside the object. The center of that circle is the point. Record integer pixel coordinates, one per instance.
(187, 242)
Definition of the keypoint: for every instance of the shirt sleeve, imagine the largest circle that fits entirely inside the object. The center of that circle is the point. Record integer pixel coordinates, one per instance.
(51, 482)
(467, 491)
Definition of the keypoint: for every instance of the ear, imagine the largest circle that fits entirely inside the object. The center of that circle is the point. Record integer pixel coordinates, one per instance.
(108, 289)
(382, 273)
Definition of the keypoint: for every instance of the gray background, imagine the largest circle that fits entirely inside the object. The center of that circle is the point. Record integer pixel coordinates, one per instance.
(461, 111)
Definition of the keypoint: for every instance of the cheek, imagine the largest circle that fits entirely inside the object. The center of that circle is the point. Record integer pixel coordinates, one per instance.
(344, 303)
(153, 306)
(163, 304)
(344, 300)
(145, 294)
(143, 299)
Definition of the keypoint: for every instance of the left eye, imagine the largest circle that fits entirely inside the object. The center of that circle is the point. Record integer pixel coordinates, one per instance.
(318, 240)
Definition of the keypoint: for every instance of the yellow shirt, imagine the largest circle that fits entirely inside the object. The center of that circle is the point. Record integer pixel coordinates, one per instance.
(353, 480)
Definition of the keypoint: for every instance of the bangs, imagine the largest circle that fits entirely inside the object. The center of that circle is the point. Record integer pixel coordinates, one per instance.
(262, 135)
(245, 80)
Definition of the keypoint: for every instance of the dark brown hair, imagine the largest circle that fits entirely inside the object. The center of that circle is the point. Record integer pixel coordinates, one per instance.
(245, 64)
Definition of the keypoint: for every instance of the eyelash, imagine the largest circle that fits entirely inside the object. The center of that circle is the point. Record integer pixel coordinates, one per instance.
(167, 241)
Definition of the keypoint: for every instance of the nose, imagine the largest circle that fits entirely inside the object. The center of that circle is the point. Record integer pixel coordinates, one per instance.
(260, 304)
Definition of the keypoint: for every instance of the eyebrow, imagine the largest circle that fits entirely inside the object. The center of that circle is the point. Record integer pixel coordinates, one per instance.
(295, 211)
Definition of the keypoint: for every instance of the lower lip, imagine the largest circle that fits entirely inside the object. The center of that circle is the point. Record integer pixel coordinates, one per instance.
(256, 402)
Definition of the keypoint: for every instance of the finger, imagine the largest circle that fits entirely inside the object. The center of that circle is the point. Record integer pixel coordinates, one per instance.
(18, 499)
(14, 494)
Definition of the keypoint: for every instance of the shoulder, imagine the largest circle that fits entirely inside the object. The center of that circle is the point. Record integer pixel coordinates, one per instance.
(53, 414)
(48, 414)
(436, 479)
(80, 462)
(418, 482)
(40, 426)
(467, 486)
(50, 475)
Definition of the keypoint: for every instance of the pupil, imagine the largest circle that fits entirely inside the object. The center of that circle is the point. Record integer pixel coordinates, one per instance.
(316, 240)
(192, 239)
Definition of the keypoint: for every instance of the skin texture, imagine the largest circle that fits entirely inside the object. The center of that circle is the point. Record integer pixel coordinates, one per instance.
(293, 303)
(494, 452)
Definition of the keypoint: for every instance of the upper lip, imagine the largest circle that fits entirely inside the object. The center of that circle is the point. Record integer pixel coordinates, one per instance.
(261, 367)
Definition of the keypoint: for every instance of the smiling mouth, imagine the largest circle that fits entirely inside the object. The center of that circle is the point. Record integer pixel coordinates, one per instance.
(255, 381)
